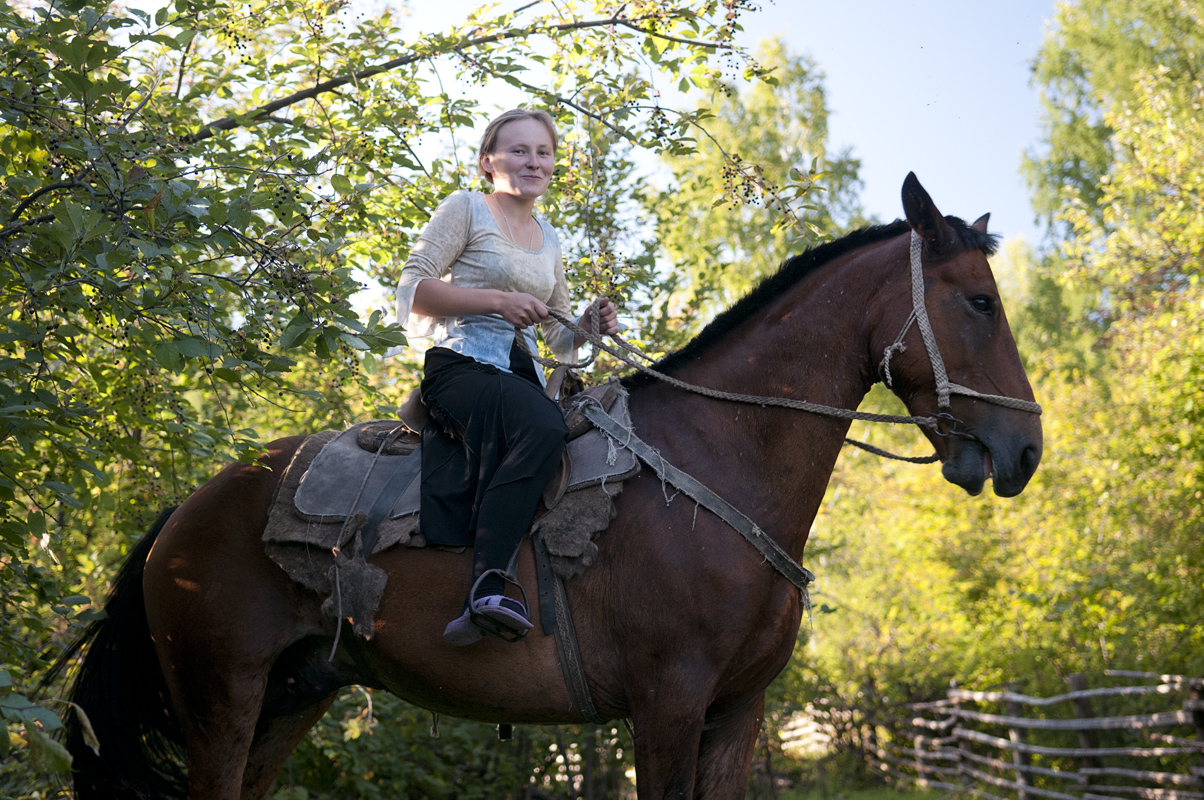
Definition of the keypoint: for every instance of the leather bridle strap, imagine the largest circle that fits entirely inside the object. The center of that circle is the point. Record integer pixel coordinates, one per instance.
(790, 569)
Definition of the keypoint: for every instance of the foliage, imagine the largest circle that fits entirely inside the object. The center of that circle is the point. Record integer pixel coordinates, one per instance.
(192, 198)
(718, 219)
(386, 748)
(1087, 64)
(1098, 564)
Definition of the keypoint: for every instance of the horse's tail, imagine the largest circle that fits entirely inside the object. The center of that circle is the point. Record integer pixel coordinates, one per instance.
(121, 688)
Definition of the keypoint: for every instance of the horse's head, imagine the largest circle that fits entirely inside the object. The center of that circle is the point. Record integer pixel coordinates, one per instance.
(989, 424)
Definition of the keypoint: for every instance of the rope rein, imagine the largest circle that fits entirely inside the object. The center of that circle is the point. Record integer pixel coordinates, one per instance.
(918, 316)
(735, 397)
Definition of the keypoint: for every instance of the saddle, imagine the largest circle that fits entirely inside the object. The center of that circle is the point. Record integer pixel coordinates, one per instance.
(348, 494)
(350, 473)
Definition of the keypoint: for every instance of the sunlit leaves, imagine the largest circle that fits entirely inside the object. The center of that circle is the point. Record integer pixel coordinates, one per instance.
(191, 199)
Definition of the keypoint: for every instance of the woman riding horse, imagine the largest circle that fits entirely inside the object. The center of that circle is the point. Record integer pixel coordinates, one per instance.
(212, 663)
(485, 270)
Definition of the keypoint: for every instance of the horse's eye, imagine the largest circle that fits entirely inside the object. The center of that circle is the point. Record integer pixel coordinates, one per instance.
(983, 304)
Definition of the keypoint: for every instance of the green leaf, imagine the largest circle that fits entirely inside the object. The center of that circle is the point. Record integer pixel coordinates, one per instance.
(46, 755)
(59, 488)
(194, 348)
(296, 331)
(341, 184)
(168, 354)
(354, 341)
(85, 725)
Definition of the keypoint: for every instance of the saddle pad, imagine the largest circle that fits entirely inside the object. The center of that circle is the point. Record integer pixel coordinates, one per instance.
(343, 472)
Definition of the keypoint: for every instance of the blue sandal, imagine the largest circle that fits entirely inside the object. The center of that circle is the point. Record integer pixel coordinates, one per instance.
(502, 616)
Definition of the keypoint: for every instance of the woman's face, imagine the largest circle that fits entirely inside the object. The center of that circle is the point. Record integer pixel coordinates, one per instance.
(524, 159)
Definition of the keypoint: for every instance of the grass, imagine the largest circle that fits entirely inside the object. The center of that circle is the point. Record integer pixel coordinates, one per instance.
(877, 793)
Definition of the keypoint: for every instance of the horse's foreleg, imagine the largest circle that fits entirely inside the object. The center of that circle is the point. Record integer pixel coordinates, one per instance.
(668, 720)
(725, 756)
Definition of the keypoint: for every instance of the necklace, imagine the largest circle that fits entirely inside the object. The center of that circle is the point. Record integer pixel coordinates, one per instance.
(510, 233)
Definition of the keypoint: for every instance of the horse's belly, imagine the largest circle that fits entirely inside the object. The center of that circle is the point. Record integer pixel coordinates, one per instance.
(491, 680)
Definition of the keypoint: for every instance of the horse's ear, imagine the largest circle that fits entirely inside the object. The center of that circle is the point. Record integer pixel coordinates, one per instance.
(923, 215)
(980, 224)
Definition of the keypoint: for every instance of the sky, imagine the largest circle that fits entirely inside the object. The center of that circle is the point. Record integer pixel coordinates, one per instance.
(938, 87)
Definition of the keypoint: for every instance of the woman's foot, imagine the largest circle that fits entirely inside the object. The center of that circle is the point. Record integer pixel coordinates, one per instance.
(494, 613)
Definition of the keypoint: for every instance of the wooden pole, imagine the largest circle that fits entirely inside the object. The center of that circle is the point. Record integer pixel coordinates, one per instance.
(1083, 710)
(1197, 716)
(1020, 759)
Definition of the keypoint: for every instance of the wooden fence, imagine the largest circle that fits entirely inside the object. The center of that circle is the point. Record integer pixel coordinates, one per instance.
(1143, 742)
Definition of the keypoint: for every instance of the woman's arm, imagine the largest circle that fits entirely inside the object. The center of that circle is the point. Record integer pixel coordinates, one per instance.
(434, 298)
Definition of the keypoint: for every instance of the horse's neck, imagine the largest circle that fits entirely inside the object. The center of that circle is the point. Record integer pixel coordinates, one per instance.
(812, 343)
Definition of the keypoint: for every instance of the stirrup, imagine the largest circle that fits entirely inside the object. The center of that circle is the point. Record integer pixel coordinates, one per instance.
(491, 616)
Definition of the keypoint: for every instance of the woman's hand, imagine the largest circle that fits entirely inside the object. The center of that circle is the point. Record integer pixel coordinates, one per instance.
(520, 309)
(608, 320)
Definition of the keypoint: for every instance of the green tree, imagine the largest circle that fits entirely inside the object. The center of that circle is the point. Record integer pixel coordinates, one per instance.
(764, 163)
(1085, 68)
(1098, 564)
(191, 198)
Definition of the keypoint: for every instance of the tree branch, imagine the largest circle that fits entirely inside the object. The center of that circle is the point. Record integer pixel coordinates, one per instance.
(264, 111)
(50, 187)
(558, 98)
(16, 226)
(667, 37)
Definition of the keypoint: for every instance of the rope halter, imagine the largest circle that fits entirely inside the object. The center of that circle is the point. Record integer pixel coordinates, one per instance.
(919, 316)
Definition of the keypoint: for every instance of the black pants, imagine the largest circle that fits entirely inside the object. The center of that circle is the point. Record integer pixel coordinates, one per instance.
(493, 441)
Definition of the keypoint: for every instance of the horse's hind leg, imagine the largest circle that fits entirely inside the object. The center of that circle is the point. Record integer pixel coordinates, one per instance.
(726, 752)
(275, 740)
(302, 685)
(221, 613)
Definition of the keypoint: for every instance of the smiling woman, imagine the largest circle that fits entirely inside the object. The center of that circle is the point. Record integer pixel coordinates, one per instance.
(483, 272)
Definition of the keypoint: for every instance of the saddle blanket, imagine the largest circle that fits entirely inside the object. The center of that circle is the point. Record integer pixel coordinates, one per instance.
(301, 534)
(333, 478)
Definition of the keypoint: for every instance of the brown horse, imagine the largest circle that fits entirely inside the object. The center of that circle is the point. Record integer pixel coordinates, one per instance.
(682, 624)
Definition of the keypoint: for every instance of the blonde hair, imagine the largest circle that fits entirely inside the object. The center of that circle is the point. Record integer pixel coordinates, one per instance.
(489, 139)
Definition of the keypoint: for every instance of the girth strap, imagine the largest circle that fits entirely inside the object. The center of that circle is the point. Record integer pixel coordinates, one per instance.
(554, 606)
(767, 547)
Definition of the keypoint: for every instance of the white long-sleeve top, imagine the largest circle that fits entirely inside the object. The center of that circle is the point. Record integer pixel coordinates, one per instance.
(462, 245)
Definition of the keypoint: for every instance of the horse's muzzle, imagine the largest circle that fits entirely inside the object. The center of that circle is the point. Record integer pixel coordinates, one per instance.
(1010, 460)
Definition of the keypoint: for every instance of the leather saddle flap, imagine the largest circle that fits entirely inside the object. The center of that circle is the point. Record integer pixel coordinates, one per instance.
(345, 478)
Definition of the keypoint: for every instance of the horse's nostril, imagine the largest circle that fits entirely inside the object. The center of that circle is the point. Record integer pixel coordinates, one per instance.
(1029, 459)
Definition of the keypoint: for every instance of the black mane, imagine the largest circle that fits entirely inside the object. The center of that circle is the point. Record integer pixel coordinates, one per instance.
(795, 269)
